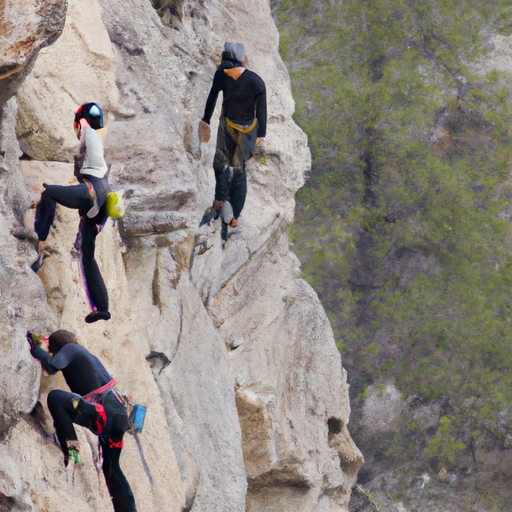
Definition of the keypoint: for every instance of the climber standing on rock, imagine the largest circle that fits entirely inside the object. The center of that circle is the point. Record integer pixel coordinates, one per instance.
(242, 124)
(88, 197)
(93, 403)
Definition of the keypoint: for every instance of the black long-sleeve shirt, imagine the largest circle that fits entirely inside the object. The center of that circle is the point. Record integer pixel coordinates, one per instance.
(243, 99)
(82, 370)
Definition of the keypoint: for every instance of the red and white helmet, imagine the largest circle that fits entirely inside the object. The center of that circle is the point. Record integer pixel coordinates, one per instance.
(92, 113)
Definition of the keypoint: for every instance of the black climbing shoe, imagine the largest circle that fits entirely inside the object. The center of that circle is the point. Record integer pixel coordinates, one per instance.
(224, 235)
(209, 215)
(38, 263)
(97, 315)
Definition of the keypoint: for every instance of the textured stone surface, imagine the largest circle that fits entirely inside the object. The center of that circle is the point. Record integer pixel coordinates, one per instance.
(497, 58)
(21, 294)
(291, 392)
(83, 72)
(26, 26)
(230, 350)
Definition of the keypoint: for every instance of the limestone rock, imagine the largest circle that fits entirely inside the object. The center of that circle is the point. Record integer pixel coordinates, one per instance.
(25, 28)
(22, 299)
(499, 57)
(289, 386)
(228, 348)
(84, 73)
(382, 410)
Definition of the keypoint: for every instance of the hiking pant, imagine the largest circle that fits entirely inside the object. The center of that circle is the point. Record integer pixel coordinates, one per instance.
(118, 487)
(234, 148)
(232, 186)
(65, 414)
(76, 197)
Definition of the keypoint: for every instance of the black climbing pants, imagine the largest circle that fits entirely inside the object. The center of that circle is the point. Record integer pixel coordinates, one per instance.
(231, 185)
(233, 150)
(65, 414)
(118, 486)
(78, 198)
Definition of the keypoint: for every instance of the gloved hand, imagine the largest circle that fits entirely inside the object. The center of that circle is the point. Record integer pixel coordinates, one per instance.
(35, 340)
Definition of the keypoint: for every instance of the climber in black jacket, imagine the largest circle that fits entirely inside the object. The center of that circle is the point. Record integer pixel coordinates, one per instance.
(243, 122)
(93, 403)
(88, 197)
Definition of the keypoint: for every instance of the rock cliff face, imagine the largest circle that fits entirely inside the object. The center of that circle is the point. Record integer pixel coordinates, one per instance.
(230, 350)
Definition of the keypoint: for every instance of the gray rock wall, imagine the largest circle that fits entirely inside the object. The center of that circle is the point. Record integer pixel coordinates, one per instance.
(230, 350)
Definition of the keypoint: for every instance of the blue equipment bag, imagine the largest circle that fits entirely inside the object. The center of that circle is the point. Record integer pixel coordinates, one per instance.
(137, 416)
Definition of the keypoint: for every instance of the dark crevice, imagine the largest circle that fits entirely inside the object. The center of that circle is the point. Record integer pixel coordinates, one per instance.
(189, 504)
(156, 291)
(158, 361)
(6, 503)
(335, 425)
(179, 334)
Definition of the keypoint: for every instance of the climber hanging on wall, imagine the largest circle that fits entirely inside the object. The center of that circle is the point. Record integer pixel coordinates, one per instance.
(93, 403)
(89, 198)
(243, 123)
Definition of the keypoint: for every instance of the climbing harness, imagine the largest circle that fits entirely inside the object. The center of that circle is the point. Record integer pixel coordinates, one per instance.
(237, 133)
(94, 396)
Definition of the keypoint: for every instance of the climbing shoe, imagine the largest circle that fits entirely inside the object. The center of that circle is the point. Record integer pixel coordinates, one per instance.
(73, 455)
(210, 214)
(38, 263)
(97, 315)
(226, 212)
(73, 447)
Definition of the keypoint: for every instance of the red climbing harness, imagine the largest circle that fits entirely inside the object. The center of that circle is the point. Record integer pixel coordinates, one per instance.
(102, 418)
(93, 395)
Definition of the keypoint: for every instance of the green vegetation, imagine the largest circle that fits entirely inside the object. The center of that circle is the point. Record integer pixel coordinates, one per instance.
(404, 227)
(443, 445)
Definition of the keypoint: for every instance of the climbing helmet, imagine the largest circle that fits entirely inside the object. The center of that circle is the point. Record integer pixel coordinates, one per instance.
(92, 113)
